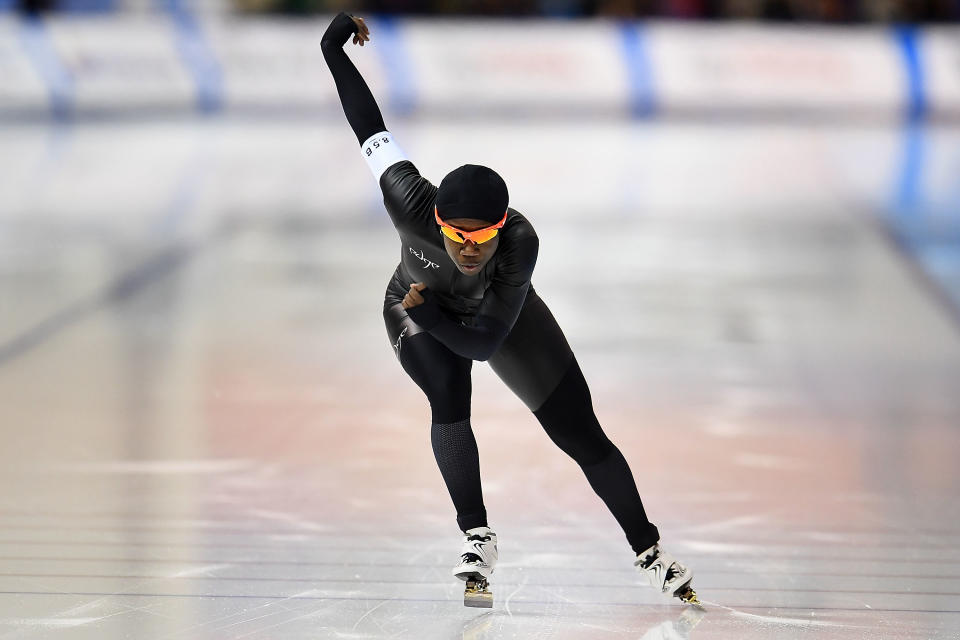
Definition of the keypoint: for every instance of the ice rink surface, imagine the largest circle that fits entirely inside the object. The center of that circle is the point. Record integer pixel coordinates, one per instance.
(206, 434)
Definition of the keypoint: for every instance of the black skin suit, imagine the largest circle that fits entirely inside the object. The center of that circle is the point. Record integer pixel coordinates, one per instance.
(492, 314)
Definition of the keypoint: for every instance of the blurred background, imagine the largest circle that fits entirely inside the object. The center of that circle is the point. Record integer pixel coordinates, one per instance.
(759, 199)
(836, 11)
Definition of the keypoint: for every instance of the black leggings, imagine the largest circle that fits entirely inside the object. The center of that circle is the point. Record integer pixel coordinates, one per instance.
(536, 363)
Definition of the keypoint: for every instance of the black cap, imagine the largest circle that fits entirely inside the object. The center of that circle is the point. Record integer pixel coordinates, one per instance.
(472, 191)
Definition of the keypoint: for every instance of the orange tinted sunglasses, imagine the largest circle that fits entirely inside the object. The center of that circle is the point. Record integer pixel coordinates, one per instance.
(460, 236)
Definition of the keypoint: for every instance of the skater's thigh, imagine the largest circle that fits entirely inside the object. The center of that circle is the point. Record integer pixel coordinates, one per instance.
(443, 376)
(535, 354)
(400, 326)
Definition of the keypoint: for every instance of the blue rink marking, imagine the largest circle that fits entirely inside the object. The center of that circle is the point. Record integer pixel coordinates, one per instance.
(401, 80)
(639, 70)
(908, 41)
(924, 229)
(197, 55)
(57, 79)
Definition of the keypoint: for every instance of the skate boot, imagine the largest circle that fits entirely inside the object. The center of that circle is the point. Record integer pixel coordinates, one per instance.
(477, 560)
(666, 574)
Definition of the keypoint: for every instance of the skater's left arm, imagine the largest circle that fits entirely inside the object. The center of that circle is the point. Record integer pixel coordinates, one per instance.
(498, 311)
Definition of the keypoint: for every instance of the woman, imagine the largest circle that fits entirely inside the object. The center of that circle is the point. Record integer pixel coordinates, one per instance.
(461, 293)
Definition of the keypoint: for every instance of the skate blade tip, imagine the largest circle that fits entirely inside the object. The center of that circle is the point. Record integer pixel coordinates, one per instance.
(689, 596)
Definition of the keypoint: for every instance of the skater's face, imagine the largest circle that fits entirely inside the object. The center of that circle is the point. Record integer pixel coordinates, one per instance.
(470, 256)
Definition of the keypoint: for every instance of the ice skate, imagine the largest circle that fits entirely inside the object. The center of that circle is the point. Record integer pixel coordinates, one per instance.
(477, 561)
(666, 574)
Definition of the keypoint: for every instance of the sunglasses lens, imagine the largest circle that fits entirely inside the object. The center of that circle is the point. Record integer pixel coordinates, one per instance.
(479, 238)
(486, 235)
(453, 235)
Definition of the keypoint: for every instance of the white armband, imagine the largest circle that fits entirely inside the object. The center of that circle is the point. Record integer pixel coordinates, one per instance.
(380, 151)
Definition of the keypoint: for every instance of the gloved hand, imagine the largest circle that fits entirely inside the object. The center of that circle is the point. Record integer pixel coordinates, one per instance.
(422, 307)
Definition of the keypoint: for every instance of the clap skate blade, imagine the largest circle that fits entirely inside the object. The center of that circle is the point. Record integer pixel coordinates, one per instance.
(688, 595)
(477, 593)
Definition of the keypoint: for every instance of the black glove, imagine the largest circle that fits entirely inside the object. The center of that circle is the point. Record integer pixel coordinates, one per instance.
(340, 30)
(427, 315)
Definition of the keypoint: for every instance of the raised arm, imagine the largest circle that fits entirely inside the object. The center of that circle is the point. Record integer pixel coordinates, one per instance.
(359, 105)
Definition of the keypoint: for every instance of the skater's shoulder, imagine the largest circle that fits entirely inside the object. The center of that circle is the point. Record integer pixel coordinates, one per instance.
(517, 228)
(406, 193)
(401, 172)
(520, 242)
(518, 249)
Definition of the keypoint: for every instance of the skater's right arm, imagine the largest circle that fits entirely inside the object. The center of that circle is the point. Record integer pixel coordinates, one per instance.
(359, 105)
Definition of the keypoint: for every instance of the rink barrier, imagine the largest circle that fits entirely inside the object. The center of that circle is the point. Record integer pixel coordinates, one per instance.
(176, 62)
